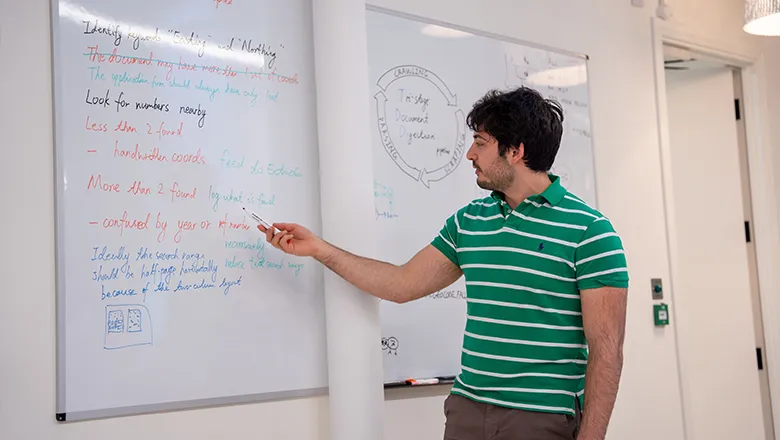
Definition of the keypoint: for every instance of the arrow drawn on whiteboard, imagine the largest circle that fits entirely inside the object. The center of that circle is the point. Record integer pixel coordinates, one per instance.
(434, 176)
(420, 72)
(387, 141)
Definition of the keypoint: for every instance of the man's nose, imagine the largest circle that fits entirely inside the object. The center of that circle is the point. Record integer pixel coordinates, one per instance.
(470, 155)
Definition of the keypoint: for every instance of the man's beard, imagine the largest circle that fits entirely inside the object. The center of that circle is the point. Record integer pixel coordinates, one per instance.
(501, 177)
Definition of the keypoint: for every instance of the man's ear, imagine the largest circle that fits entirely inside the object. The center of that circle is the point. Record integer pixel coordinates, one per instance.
(515, 154)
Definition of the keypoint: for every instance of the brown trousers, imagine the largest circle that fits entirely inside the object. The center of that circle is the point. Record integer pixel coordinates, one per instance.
(470, 420)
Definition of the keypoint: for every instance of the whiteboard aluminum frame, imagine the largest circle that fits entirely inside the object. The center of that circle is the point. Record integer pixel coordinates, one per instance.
(504, 38)
(59, 201)
(421, 19)
(189, 405)
(60, 183)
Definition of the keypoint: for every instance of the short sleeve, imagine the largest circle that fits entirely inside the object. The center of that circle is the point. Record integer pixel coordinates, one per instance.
(447, 240)
(599, 259)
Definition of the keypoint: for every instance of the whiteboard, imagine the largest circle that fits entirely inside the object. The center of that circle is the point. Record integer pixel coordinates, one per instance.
(170, 117)
(424, 78)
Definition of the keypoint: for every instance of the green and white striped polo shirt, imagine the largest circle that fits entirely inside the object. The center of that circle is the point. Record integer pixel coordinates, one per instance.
(524, 345)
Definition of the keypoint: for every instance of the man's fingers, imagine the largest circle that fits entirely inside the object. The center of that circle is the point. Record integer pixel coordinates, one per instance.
(275, 239)
(285, 242)
(285, 226)
(278, 237)
(280, 240)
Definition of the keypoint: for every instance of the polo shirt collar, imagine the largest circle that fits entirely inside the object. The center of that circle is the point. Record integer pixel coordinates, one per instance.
(553, 194)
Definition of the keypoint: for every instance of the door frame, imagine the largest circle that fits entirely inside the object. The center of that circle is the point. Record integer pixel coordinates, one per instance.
(761, 174)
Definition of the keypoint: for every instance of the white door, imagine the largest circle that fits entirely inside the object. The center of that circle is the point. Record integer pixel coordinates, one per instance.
(763, 375)
(712, 291)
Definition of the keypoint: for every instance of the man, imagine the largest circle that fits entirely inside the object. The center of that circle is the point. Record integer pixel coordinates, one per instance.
(544, 274)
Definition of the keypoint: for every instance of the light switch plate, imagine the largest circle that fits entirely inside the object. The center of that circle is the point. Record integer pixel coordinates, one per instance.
(638, 3)
(657, 287)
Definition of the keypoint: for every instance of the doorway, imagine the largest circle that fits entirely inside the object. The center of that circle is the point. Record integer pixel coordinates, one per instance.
(725, 386)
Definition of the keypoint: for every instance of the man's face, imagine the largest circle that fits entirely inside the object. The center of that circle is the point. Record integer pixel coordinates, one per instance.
(494, 173)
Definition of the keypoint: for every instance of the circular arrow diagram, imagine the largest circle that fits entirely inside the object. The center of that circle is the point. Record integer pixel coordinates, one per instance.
(423, 175)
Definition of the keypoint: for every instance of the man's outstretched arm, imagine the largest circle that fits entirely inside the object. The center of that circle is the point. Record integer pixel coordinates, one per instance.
(427, 272)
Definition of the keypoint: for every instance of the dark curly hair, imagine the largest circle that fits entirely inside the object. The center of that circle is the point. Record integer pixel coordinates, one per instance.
(521, 116)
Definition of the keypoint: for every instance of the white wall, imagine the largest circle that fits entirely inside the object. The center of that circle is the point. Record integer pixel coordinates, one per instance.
(615, 35)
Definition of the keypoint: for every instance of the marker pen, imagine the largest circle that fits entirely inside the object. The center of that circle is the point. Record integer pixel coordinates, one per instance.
(258, 219)
(433, 381)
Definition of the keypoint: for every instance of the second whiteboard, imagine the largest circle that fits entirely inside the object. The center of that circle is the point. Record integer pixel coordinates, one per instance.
(424, 78)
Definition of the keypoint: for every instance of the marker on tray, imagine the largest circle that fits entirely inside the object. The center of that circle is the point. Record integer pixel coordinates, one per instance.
(394, 384)
(432, 381)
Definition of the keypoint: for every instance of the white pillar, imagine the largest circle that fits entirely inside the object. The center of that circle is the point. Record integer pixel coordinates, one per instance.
(347, 200)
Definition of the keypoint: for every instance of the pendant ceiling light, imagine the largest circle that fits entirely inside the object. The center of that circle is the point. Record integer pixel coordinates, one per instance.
(762, 17)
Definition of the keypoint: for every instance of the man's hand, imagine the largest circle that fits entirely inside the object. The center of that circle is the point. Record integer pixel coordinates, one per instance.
(603, 320)
(294, 239)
